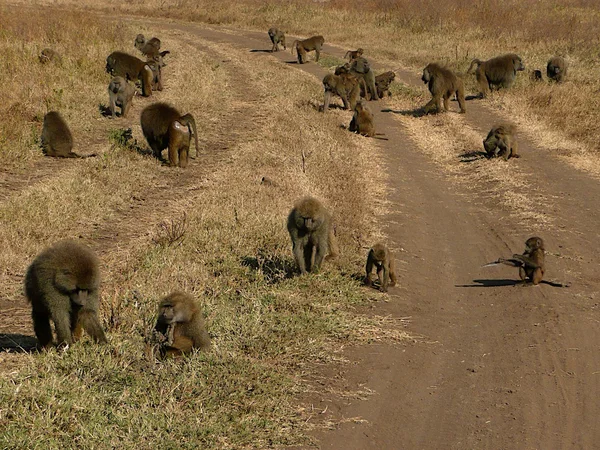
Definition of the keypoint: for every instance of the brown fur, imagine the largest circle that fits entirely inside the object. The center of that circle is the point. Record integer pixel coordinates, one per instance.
(496, 73)
(531, 263)
(48, 55)
(131, 68)
(277, 37)
(382, 83)
(360, 67)
(150, 47)
(57, 139)
(383, 260)
(120, 93)
(346, 86)
(442, 84)
(308, 45)
(353, 54)
(557, 68)
(362, 120)
(501, 140)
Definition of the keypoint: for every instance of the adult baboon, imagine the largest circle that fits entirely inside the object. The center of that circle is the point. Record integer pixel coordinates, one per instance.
(311, 231)
(308, 45)
(530, 263)
(120, 93)
(277, 37)
(47, 55)
(131, 68)
(360, 67)
(556, 70)
(496, 73)
(362, 120)
(56, 137)
(163, 126)
(501, 140)
(353, 54)
(62, 283)
(536, 75)
(382, 83)
(180, 321)
(442, 83)
(346, 86)
(383, 260)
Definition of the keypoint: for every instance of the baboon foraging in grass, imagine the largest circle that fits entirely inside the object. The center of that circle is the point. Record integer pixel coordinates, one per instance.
(180, 321)
(57, 139)
(346, 86)
(311, 231)
(556, 70)
(353, 54)
(442, 83)
(163, 126)
(382, 83)
(383, 260)
(277, 37)
(530, 263)
(47, 55)
(308, 45)
(496, 73)
(62, 283)
(131, 68)
(362, 120)
(120, 93)
(501, 140)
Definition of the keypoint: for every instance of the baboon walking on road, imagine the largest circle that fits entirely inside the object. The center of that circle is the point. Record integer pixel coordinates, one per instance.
(308, 45)
(382, 259)
(442, 83)
(277, 37)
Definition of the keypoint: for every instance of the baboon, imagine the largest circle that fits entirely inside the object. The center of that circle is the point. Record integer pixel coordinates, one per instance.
(62, 283)
(48, 55)
(442, 83)
(155, 63)
(383, 260)
(131, 68)
(308, 45)
(120, 93)
(277, 37)
(311, 230)
(360, 68)
(501, 140)
(556, 70)
(163, 126)
(362, 120)
(346, 86)
(150, 47)
(56, 137)
(530, 263)
(536, 75)
(180, 321)
(382, 83)
(496, 73)
(353, 54)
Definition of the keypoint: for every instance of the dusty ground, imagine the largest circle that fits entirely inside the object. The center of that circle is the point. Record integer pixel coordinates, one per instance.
(496, 365)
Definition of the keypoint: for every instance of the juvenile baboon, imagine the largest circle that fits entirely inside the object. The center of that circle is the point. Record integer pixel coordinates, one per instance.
(163, 126)
(536, 75)
(180, 321)
(530, 263)
(353, 54)
(277, 37)
(155, 63)
(362, 120)
(501, 140)
(311, 231)
(48, 55)
(308, 45)
(62, 283)
(556, 69)
(442, 83)
(148, 47)
(382, 83)
(120, 93)
(496, 73)
(383, 260)
(131, 68)
(346, 86)
(56, 137)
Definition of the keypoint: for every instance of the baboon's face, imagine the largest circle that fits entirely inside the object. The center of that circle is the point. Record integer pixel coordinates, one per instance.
(534, 243)
(425, 78)
(518, 63)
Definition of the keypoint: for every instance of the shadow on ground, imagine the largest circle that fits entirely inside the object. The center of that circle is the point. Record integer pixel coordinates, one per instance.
(17, 343)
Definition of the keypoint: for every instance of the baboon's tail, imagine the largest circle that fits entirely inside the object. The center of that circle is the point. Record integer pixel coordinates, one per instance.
(188, 120)
(475, 62)
(332, 244)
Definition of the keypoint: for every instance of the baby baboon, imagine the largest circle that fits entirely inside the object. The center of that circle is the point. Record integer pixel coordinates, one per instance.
(180, 321)
(362, 120)
(382, 83)
(501, 140)
(308, 45)
(530, 263)
(496, 73)
(380, 257)
(131, 68)
(536, 75)
(442, 83)
(353, 54)
(120, 93)
(56, 137)
(277, 37)
(62, 284)
(311, 231)
(344, 85)
(163, 126)
(556, 69)
(48, 55)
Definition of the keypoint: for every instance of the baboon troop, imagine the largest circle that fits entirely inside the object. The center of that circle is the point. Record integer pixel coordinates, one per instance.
(56, 137)
(496, 73)
(345, 86)
(501, 140)
(308, 45)
(362, 120)
(120, 93)
(382, 83)
(62, 284)
(442, 83)
(556, 70)
(361, 68)
(164, 127)
(131, 68)
(277, 37)
(48, 55)
(382, 259)
(353, 54)
(180, 321)
(530, 263)
(311, 231)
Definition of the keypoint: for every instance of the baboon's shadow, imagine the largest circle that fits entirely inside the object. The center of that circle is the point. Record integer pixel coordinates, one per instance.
(419, 112)
(473, 97)
(474, 155)
(260, 50)
(274, 268)
(105, 110)
(490, 283)
(17, 343)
